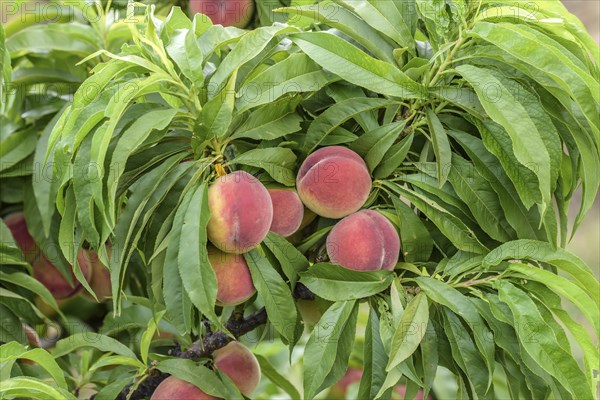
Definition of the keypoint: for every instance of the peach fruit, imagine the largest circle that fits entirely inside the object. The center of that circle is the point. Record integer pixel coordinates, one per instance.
(100, 283)
(241, 212)
(234, 283)
(18, 228)
(288, 211)
(50, 276)
(236, 13)
(338, 391)
(174, 388)
(365, 240)
(240, 365)
(333, 182)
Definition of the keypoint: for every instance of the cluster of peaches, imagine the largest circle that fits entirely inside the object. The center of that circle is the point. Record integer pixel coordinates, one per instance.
(333, 182)
(46, 272)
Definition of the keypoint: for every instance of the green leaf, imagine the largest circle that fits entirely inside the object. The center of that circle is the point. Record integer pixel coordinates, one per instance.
(338, 17)
(441, 146)
(466, 355)
(545, 350)
(452, 227)
(481, 199)
(177, 302)
(148, 335)
(489, 168)
(387, 18)
(564, 287)
(73, 38)
(30, 283)
(217, 114)
(375, 359)
(410, 331)
(32, 388)
(540, 251)
(277, 296)
(440, 292)
(337, 114)
(184, 50)
(336, 283)
(505, 109)
(271, 121)
(414, 236)
(194, 373)
(529, 46)
(295, 74)
(376, 153)
(291, 260)
(275, 377)
(279, 162)
(39, 356)
(130, 141)
(98, 341)
(248, 47)
(330, 341)
(11, 328)
(198, 277)
(393, 158)
(355, 66)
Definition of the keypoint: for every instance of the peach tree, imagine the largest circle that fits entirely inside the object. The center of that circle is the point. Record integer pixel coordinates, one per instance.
(436, 148)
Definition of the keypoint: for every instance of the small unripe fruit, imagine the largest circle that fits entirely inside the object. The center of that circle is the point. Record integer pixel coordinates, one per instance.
(288, 211)
(234, 282)
(240, 365)
(365, 240)
(333, 182)
(174, 388)
(241, 212)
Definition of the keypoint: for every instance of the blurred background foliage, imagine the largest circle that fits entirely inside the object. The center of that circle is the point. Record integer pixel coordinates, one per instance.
(586, 242)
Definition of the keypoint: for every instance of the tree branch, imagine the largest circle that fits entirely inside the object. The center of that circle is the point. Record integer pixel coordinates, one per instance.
(237, 325)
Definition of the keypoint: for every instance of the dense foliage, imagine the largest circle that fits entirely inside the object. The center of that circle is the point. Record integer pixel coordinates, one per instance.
(477, 120)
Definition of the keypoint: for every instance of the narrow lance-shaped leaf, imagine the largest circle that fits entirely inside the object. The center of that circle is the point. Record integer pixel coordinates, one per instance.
(355, 66)
(545, 350)
(336, 283)
(410, 330)
(441, 146)
(323, 345)
(198, 277)
(506, 110)
(277, 296)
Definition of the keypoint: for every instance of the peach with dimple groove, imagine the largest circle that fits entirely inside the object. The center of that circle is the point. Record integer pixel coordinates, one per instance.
(174, 388)
(288, 211)
(364, 241)
(241, 212)
(333, 182)
(234, 282)
(241, 366)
